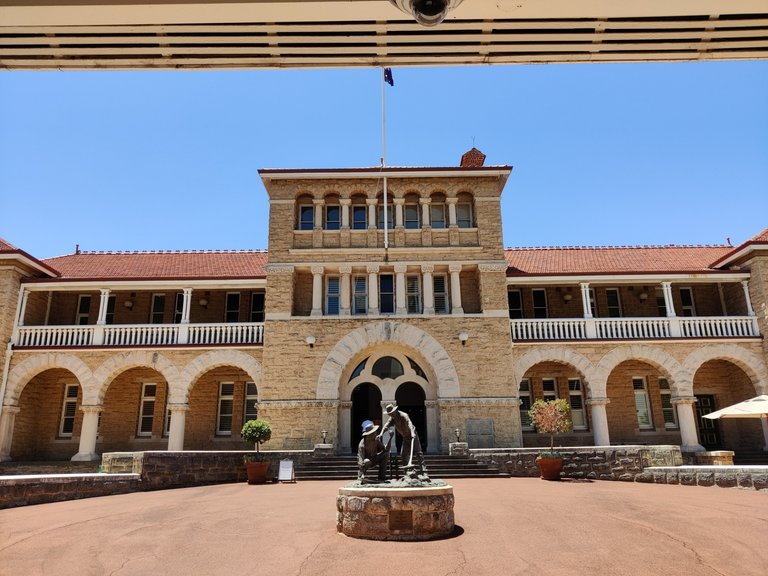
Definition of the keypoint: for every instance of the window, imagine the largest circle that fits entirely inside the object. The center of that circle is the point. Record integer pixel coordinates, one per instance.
(440, 293)
(232, 312)
(147, 409)
(83, 309)
(411, 216)
(251, 402)
(178, 308)
(413, 294)
(437, 215)
(387, 367)
(68, 411)
(226, 403)
(576, 397)
(686, 302)
(549, 385)
(257, 307)
(358, 370)
(515, 303)
(332, 217)
(359, 294)
(158, 309)
(389, 217)
(667, 408)
(386, 293)
(525, 404)
(332, 299)
(592, 303)
(661, 303)
(306, 217)
(464, 215)
(642, 404)
(614, 303)
(167, 423)
(539, 303)
(110, 318)
(359, 217)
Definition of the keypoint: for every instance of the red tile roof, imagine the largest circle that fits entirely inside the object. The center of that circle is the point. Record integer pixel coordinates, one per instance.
(761, 237)
(7, 246)
(162, 265)
(612, 259)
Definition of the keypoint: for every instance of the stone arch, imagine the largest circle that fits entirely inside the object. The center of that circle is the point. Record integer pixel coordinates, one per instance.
(134, 359)
(31, 367)
(209, 361)
(405, 335)
(752, 366)
(554, 354)
(680, 378)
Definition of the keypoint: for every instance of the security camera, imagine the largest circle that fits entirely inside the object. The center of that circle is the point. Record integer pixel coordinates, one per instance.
(427, 12)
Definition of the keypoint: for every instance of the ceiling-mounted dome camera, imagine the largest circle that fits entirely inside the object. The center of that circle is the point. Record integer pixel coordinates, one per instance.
(427, 12)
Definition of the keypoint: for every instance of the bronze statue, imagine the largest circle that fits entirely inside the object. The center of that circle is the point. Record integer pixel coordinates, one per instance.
(372, 451)
(411, 456)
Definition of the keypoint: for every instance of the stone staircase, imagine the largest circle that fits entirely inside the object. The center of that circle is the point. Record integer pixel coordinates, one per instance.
(750, 458)
(438, 467)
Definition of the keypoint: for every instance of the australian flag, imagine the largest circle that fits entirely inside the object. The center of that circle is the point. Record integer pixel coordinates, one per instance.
(388, 76)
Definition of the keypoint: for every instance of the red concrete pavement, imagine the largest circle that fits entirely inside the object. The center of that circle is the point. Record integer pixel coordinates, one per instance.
(508, 526)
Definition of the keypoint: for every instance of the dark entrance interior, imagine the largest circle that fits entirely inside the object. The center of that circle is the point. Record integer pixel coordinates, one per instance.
(410, 399)
(709, 430)
(366, 405)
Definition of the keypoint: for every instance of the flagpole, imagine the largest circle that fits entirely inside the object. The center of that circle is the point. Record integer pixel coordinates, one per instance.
(384, 156)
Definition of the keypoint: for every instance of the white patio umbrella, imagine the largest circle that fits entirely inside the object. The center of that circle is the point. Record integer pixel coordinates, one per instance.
(752, 408)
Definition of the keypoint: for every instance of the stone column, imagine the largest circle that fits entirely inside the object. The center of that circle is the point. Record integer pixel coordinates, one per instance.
(345, 204)
(373, 289)
(685, 418)
(371, 202)
(455, 270)
(452, 221)
(88, 433)
(400, 301)
(425, 220)
(317, 290)
(7, 421)
(345, 271)
(177, 427)
(345, 427)
(429, 295)
(599, 421)
(433, 431)
(399, 203)
(318, 212)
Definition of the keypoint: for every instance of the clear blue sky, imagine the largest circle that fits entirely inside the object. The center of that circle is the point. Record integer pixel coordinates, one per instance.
(605, 154)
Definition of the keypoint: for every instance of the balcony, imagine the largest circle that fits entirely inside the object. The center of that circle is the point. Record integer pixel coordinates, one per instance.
(127, 335)
(634, 328)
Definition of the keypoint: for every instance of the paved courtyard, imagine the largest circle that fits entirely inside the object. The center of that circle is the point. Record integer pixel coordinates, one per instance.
(505, 526)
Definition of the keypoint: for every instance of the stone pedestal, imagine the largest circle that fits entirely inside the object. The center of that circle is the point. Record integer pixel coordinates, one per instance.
(323, 450)
(381, 512)
(458, 449)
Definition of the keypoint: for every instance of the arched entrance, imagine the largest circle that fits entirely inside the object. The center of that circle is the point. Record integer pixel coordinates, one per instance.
(410, 398)
(366, 405)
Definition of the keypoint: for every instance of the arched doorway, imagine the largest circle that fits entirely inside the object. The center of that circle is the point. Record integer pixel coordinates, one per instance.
(366, 405)
(410, 398)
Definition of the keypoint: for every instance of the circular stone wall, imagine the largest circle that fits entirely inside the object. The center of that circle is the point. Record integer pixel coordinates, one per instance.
(385, 513)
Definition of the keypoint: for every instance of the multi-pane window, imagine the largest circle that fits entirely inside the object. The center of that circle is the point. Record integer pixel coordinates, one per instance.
(592, 303)
(413, 294)
(539, 296)
(232, 310)
(83, 309)
(226, 404)
(332, 217)
(251, 410)
(178, 308)
(158, 309)
(147, 409)
(440, 291)
(68, 411)
(359, 294)
(667, 408)
(390, 216)
(661, 303)
(386, 294)
(110, 318)
(576, 397)
(642, 403)
(306, 217)
(411, 216)
(257, 307)
(686, 302)
(359, 217)
(614, 302)
(167, 423)
(332, 295)
(437, 215)
(464, 215)
(525, 404)
(549, 386)
(515, 302)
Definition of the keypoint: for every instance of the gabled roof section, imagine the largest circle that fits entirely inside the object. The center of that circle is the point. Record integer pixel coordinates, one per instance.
(758, 241)
(612, 260)
(162, 265)
(8, 250)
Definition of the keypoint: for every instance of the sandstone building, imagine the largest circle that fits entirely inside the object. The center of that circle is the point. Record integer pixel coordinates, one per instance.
(357, 305)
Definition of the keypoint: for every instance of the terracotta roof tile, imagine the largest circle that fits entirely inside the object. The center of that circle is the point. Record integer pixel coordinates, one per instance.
(7, 246)
(761, 237)
(158, 265)
(612, 259)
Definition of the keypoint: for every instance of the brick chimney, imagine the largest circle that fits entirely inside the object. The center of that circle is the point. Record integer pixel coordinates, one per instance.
(472, 159)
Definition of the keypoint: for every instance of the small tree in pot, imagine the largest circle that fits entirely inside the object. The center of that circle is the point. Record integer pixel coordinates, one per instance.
(550, 417)
(256, 432)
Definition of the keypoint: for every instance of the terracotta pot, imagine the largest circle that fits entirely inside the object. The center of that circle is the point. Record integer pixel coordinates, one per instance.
(257, 472)
(550, 467)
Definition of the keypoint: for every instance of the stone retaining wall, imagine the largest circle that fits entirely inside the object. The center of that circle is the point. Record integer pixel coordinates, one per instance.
(749, 477)
(25, 490)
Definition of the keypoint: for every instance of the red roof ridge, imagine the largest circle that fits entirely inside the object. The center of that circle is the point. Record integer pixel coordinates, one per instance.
(646, 246)
(125, 252)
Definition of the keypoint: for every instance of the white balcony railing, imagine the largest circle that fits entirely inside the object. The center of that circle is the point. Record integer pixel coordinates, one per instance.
(139, 335)
(634, 328)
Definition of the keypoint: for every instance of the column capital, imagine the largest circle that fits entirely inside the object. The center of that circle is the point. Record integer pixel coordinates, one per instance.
(345, 405)
(317, 269)
(11, 409)
(371, 201)
(345, 269)
(450, 201)
(318, 201)
(454, 268)
(492, 267)
(398, 201)
(104, 291)
(401, 268)
(676, 400)
(178, 407)
(345, 201)
(91, 408)
(598, 401)
(427, 268)
(372, 268)
(424, 201)
(279, 268)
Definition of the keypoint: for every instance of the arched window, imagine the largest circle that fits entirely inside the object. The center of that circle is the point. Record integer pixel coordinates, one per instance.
(305, 213)
(359, 213)
(411, 212)
(438, 215)
(465, 214)
(332, 220)
(387, 367)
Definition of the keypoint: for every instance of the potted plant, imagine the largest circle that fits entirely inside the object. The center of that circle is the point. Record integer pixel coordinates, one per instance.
(256, 432)
(550, 417)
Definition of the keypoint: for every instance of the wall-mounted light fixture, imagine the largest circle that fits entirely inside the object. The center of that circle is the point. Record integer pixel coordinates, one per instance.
(643, 296)
(310, 340)
(204, 300)
(463, 337)
(567, 297)
(128, 304)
